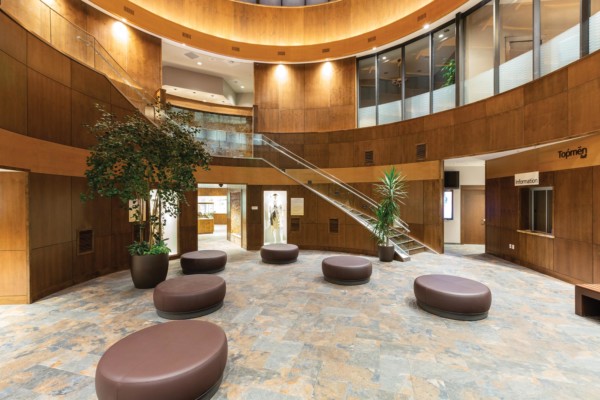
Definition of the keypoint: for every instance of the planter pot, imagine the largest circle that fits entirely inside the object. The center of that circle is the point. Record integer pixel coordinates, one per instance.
(149, 270)
(386, 253)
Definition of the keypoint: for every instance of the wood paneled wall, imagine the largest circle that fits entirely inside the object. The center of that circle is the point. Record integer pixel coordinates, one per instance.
(139, 53)
(305, 97)
(571, 252)
(56, 216)
(303, 34)
(422, 211)
(14, 238)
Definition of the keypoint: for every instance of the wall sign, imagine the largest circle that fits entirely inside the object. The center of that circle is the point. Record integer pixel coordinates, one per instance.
(527, 179)
(580, 152)
(297, 206)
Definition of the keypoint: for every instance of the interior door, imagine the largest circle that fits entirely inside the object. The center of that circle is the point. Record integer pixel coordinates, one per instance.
(472, 215)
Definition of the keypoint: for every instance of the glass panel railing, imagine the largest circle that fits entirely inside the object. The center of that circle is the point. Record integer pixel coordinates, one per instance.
(49, 25)
(226, 144)
(444, 98)
(327, 186)
(595, 30)
(390, 112)
(367, 116)
(559, 51)
(516, 72)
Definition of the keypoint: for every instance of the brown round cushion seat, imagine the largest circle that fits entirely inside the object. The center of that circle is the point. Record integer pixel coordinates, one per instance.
(189, 296)
(347, 270)
(279, 253)
(453, 297)
(178, 360)
(203, 262)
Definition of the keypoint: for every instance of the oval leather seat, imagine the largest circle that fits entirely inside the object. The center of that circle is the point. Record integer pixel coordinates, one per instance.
(179, 360)
(189, 296)
(203, 262)
(279, 253)
(347, 270)
(453, 297)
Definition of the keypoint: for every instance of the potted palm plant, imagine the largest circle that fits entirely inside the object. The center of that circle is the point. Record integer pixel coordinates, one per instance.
(146, 165)
(391, 190)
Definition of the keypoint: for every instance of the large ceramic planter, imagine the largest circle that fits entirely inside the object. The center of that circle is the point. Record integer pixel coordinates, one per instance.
(386, 253)
(149, 270)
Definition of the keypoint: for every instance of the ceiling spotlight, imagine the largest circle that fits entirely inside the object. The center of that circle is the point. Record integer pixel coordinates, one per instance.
(124, 19)
(374, 48)
(242, 86)
(199, 63)
(426, 26)
(441, 35)
(384, 58)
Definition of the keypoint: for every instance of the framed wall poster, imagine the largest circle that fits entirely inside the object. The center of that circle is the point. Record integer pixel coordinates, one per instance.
(275, 216)
(448, 204)
(297, 206)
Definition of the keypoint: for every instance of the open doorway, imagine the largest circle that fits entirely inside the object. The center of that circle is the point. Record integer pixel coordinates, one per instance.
(221, 216)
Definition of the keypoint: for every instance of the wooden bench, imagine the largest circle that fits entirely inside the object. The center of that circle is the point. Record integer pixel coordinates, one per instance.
(587, 299)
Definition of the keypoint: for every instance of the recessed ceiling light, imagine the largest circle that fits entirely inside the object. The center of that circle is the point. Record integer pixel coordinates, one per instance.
(242, 86)
(199, 63)
(384, 57)
(426, 26)
(194, 92)
(441, 35)
(124, 19)
(374, 48)
(174, 88)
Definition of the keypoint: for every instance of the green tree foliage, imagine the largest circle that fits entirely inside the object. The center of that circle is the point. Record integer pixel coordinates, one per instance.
(391, 190)
(133, 156)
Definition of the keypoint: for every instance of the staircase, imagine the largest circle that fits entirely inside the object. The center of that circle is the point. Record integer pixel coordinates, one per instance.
(329, 188)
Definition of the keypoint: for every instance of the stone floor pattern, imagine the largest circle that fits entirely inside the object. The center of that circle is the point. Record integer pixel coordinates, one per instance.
(293, 336)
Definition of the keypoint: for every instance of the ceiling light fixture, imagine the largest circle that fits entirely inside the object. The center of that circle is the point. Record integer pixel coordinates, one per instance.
(242, 86)
(426, 26)
(441, 35)
(199, 63)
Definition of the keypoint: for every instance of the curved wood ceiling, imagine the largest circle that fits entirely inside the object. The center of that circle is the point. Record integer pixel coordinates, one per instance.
(281, 34)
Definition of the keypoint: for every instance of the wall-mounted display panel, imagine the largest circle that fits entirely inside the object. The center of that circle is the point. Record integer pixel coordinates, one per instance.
(448, 204)
(275, 216)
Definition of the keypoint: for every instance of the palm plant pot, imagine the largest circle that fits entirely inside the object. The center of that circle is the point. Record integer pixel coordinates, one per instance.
(386, 253)
(147, 271)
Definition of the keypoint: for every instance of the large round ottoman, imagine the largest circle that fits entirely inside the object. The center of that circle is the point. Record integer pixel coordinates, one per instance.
(203, 262)
(347, 270)
(279, 253)
(179, 360)
(453, 297)
(189, 296)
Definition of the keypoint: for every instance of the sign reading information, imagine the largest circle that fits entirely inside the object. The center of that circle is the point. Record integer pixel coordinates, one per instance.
(527, 179)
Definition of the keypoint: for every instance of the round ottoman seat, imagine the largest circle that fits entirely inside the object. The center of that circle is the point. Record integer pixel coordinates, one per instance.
(189, 296)
(177, 360)
(279, 253)
(203, 262)
(453, 297)
(347, 270)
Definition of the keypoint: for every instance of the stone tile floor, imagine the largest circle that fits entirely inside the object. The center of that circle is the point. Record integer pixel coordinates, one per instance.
(293, 336)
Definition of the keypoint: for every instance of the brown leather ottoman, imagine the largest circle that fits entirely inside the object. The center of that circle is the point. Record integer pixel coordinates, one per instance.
(347, 270)
(189, 296)
(453, 297)
(279, 253)
(177, 360)
(203, 262)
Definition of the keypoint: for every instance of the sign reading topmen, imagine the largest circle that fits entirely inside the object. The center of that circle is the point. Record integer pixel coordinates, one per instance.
(528, 178)
(580, 152)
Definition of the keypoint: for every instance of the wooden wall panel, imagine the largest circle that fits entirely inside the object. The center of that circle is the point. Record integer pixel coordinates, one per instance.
(48, 61)
(13, 87)
(83, 114)
(188, 224)
(49, 210)
(51, 269)
(573, 259)
(13, 39)
(573, 204)
(536, 251)
(51, 101)
(305, 97)
(14, 235)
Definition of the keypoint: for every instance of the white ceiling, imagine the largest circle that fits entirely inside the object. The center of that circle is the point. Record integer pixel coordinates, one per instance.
(236, 73)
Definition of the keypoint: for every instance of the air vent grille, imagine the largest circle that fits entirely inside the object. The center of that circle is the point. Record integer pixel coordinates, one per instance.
(371, 39)
(334, 225)
(369, 157)
(281, 53)
(85, 241)
(186, 35)
(325, 50)
(191, 55)
(128, 10)
(421, 151)
(234, 48)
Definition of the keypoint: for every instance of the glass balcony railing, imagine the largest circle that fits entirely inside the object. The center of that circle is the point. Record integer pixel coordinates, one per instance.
(49, 25)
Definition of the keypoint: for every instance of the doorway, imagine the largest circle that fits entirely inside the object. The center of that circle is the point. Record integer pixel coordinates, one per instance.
(472, 228)
(221, 216)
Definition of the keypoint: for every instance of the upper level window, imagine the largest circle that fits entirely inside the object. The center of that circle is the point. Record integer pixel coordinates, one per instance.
(540, 209)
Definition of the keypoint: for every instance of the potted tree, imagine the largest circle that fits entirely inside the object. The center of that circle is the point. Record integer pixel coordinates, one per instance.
(146, 165)
(391, 190)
